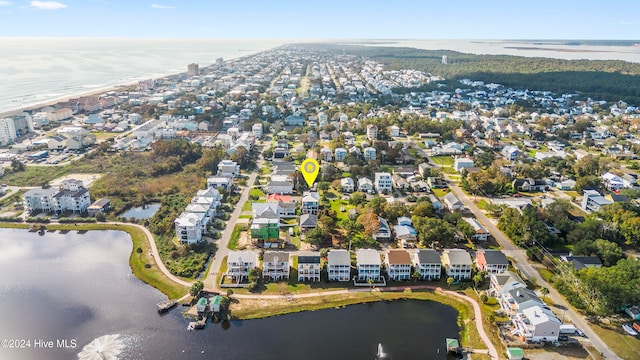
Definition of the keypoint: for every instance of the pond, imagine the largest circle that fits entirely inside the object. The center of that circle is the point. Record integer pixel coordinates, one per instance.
(142, 212)
(78, 290)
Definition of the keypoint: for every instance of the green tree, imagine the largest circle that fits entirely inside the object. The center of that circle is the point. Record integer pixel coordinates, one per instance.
(544, 291)
(196, 288)
(450, 281)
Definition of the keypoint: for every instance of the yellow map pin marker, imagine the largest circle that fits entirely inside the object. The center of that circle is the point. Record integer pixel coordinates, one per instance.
(309, 169)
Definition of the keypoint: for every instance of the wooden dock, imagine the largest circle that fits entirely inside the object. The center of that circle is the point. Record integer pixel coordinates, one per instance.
(197, 325)
(164, 306)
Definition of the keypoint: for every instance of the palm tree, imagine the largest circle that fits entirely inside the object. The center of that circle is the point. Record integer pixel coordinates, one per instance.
(544, 291)
(450, 281)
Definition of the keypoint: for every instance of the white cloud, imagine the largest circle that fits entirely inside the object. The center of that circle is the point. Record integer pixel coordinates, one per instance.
(47, 5)
(5, 3)
(157, 6)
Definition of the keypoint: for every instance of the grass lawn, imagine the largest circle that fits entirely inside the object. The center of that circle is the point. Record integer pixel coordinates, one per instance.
(482, 204)
(337, 204)
(102, 136)
(450, 171)
(625, 346)
(235, 236)
(443, 160)
(247, 205)
(36, 175)
(257, 193)
(440, 192)
(572, 193)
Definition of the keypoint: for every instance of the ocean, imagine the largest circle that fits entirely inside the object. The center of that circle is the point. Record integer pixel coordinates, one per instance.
(40, 70)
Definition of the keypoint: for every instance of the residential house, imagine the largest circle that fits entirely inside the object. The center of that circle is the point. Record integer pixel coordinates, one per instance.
(101, 205)
(310, 202)
(347, 185)
(516, 300)
(383, 182)
(491, 261)
(384, 231)
(294, 120)
(189, 228)
(326, 154)
(501, 283)
(481, 234)
(581, 262)
(275, 265)
(365, 185)
(339, 265)
(280, 187)
(372, 132)
(308, 221)
(399, 182)
(510, 152)
(398, 263)
(266, 210)
(435, 203)
(629, 180)
(592, 201)
(228, 168)
(256, 130)
(536, 324)
(462, 163)
(457, 264)
(309, 266)
(265, 229)
(428, 263)
(368, 265)
(453, 203)
(370, 153)
(529, 185)
(71, 196)
(612, 181)
(566, 185)
(240, 263)
(340, 154)
(219, 182)
(404, 230)
(394, 130)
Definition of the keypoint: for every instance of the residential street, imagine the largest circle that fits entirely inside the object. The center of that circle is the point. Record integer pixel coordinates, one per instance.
(520, 258)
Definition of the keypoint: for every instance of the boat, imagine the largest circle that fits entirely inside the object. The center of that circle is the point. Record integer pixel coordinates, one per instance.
(629, 330)
(636, 326)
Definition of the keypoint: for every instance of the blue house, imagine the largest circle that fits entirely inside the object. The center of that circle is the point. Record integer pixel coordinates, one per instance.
(294, 120)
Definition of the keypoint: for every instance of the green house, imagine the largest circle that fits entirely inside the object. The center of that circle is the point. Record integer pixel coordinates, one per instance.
(214, 304)
(201, 306)
(265, 229)
(515, 353)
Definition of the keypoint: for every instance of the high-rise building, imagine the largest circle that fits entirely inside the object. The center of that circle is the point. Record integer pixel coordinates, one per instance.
(220, 61)
(444, 59)
(7, 131)
(193, 69)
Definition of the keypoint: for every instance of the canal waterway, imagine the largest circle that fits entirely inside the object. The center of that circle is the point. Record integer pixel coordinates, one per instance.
(77, 292)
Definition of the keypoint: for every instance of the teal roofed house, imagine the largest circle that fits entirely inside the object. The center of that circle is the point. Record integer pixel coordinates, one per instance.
(214, 304)
(201, 306)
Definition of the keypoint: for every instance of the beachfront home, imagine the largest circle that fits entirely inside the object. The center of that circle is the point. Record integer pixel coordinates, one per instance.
(39, 200)
(339, 265)
(228, 168)
(428, 263)
(310, 202)
(240, 263)
(457, 263)
(398, 263)
(71, 196)
(309, 266)
(368, 264)
(516, 300)
(491, 261)
(275, 265)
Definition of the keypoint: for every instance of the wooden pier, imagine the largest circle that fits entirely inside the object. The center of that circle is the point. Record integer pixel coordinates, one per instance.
(164, 306)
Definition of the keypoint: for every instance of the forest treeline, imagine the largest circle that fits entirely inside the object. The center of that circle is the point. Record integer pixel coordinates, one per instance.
(609, 80)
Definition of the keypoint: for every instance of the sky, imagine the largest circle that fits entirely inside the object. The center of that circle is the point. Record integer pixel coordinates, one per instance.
(327, 19)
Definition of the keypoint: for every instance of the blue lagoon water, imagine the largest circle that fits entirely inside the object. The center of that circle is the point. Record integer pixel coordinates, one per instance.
(79, 288)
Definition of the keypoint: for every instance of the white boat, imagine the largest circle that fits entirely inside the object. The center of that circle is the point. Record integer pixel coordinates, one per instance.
(629, 330)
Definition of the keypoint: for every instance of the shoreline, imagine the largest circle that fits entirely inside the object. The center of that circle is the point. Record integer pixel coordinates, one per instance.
(106, 89)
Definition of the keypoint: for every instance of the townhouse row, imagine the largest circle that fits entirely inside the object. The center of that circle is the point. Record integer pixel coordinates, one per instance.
(370, 264)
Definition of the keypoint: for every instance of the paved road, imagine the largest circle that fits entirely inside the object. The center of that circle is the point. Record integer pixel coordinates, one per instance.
(520, 258)
(223, 242)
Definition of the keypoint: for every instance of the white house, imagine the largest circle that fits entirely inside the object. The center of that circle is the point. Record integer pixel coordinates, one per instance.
(592, 201)
(372, 132)
(339, 265)
(480, 233)
(310, 202)
(275, 265)
(189, 228)
(394, 130)
(428, 263)
(71, 196)
(398, 263)
(240, 263)
(228, 168)
(537, 324)
(368, 264)
(384, 231)
(326, 154)
(309, 266)
(383, 182)
(280, 187)
(219, 182)
(453, 203)
(39, 200)
(510, 152)
(457, 263)
(256, 130)
(347, 185)
(612, 181)
(501, 283)
(365, 184)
